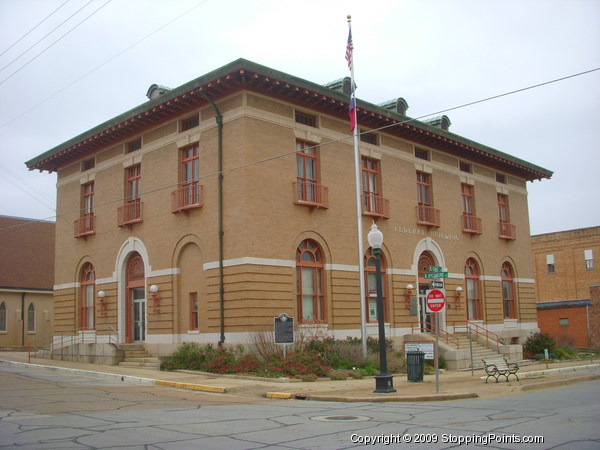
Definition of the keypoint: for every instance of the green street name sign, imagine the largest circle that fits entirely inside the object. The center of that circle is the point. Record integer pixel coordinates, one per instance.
(435, 268)
(429, 275)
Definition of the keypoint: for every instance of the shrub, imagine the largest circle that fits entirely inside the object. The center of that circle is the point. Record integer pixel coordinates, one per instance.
(565, 353)
(538, 342)
(338, 374)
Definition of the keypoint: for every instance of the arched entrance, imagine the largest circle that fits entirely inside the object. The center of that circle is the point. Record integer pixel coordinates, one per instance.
(135, 299)
(427, 320)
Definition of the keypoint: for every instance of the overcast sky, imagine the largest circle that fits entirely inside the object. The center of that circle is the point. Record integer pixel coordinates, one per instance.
(437, 54)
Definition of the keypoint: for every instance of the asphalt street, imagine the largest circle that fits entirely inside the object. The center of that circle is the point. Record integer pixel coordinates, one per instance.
(53, 410)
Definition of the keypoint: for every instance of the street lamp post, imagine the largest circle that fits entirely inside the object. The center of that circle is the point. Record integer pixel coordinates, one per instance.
(384, 382)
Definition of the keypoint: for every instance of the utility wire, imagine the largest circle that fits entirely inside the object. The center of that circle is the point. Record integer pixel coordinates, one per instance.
(102, 64)
(46, 35)
(281, 155)
(26, 34)
(51, 45)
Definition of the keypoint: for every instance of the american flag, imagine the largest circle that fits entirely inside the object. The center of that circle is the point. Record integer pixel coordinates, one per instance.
(349, 48)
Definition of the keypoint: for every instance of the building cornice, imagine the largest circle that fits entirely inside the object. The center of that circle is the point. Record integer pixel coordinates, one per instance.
(246, 75)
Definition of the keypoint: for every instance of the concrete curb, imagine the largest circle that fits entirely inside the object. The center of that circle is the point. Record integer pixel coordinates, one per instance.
(191, 386)
(395, 398)
(558, 383)
(117, 377)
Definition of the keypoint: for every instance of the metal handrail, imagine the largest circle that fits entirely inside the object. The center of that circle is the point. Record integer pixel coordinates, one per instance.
(448, 337)
(482, 332)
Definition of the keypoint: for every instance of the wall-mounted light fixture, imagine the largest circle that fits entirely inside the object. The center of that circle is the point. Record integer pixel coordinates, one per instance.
(155, 298)
(408, 295)
(459, 290)
(101, 296)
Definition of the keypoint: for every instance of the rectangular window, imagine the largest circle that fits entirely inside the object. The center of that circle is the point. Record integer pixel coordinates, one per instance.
(2, 316)
(550, 263)
(468, 199)
(134, 145)
(307, 162)
(589, 259)
(563, 322)
(465, 167)
(88, 164)
(306, 119)
(423, 189)
(368, 137)
(500, 178)
(134, 180)
(31, 318)
(422, 154)
(193, 310)
(190, 122)
(503, 212)
(87, 194)
(131, 211)
(85, 224)
(372, 202)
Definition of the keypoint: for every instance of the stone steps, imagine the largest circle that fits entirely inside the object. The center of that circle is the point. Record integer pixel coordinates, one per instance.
(137, 356)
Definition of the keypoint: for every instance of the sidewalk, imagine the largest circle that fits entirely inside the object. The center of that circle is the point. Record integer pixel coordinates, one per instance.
(452, 384)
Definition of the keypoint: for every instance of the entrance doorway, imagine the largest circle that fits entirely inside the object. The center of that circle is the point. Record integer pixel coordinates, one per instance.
(135, 302)
(427, 320)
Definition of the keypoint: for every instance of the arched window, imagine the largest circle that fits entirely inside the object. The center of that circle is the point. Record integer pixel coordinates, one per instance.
(88, 297)
(508, 292)
(31, 318)
(2, 316)
(371, 282)
(425, 261)
(310, 282)
(474, 311)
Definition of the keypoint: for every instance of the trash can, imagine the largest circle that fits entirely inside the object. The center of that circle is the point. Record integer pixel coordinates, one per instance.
(415, 364)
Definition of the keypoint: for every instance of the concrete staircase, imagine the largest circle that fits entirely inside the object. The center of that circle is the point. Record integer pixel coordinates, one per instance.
(480, 351)
(137, 356)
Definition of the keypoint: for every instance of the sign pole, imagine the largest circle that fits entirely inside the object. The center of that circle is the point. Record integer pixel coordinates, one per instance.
(437, 368)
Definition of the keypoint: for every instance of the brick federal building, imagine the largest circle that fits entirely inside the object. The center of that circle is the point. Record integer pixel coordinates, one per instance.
(211, 208)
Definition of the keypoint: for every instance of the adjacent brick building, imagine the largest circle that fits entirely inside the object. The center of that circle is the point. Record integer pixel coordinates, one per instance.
(567, 273)
(26, 282)
(188, 220)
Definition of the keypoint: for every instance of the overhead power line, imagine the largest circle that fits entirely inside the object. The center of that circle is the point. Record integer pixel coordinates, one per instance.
(103, 64)
(46, 35)
(26, 34)
(51, 45)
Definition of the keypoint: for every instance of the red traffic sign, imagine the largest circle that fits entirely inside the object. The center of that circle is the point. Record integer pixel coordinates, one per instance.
(435, 300)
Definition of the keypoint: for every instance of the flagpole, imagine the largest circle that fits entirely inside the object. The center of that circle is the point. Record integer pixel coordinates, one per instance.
(357, 173)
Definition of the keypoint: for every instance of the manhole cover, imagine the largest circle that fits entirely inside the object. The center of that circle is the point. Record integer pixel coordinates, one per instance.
(341, 418)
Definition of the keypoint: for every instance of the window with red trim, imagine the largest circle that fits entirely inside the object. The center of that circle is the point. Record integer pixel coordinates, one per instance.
(310, 282)
(503, 212)
(134, 181)
(473, 290)
(371, 283)
(307, 171)
(424, 189)
(88, 297)
(508, 292)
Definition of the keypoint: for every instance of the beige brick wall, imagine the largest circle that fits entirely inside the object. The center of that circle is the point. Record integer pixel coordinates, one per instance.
(262, 221)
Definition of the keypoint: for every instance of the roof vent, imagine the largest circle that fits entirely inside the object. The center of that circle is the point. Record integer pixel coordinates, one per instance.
(342, 85)
(398, 105)
(442, 122)
(156, 90)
